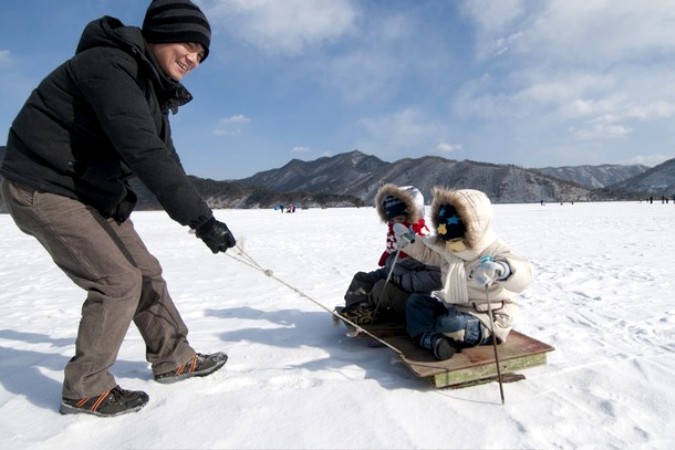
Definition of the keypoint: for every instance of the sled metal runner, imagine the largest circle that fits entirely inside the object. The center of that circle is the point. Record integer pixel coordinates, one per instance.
(471, 366)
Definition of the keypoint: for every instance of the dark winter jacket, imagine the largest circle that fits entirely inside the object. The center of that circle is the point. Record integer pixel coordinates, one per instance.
(408, 273)
(98, 119)
(411, 275)
(414, 215)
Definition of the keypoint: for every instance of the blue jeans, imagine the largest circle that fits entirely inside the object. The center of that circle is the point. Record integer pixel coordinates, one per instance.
(426, 314)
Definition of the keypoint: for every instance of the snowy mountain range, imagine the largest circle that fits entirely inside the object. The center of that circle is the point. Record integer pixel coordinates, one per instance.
(353, 178)
(595, 177)
(359, 175)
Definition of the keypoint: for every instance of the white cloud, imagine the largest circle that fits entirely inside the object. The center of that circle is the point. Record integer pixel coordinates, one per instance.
(601, 131)
(494, 22)
(404, 126)
(593, 31)
(288, 27)
(609, 119)
(404, 132)
(231, 125)
(360, 56)
(444, 147)
(590, 76)
(584, 108)
(654, 110)
(612, 123)
(592, 73)
(361, 75)
(545, 88)
(572, 55)
(493, 16)
(650, 160)
(4, 57)
(603, 31)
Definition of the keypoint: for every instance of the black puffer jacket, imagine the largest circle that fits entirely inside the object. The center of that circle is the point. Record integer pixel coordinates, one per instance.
(98, 119)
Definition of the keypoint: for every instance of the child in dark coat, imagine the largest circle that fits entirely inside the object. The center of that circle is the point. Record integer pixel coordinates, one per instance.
(381, 294)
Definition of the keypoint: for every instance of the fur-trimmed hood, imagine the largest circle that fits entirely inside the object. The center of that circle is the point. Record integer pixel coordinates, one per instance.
(413, 200)
(474, 209)
(410, 195)
(458, 265)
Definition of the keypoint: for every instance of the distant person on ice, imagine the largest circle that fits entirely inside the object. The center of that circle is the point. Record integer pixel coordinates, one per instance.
(471, 257)
(95, 121)
(370, 298)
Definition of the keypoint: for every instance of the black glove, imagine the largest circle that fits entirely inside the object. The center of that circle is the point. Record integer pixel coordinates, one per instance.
(216, 236)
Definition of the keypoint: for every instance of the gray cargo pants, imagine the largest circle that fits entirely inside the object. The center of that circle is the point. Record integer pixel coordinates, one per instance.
(122, 279)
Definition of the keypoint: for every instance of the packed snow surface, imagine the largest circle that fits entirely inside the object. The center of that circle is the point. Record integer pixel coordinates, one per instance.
(603, 297)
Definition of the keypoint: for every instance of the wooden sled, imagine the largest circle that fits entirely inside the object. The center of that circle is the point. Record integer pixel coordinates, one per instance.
(475, 365)
(471, 366)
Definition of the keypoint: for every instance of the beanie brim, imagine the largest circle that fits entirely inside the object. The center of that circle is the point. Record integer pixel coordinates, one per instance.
(163, 38)
(176, 21)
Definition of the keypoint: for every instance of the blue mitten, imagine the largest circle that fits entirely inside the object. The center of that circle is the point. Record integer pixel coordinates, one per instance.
(404, 235)
(489, 271)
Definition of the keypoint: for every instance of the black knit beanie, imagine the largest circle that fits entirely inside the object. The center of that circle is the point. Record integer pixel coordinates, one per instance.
(169, 21)
(393, 207)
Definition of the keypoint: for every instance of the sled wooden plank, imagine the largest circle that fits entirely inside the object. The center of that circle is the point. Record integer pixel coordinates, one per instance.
(473, 365)
(385, 329)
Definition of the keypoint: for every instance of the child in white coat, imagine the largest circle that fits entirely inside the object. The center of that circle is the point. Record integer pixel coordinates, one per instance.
(475, 266)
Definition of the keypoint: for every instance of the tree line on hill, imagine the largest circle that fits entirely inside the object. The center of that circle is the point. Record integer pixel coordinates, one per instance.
(352, 179)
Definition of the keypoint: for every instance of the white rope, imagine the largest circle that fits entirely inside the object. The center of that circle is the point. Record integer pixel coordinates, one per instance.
(246, 259)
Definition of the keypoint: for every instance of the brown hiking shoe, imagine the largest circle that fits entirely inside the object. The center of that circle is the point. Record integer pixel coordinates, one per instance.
(111, 403)
(199, 366)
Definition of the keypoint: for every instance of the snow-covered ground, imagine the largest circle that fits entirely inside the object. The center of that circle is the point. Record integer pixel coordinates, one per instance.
(603, 297)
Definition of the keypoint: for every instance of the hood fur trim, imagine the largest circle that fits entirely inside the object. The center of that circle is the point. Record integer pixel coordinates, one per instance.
(411, 196)
(473, 207)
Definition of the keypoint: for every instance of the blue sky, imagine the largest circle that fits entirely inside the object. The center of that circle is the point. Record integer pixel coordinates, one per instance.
(532, 83)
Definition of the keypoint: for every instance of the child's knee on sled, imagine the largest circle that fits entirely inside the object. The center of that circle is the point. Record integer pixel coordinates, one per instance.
(464, 328)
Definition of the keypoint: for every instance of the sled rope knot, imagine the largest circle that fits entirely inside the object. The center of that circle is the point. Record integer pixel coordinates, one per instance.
(241, 256)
